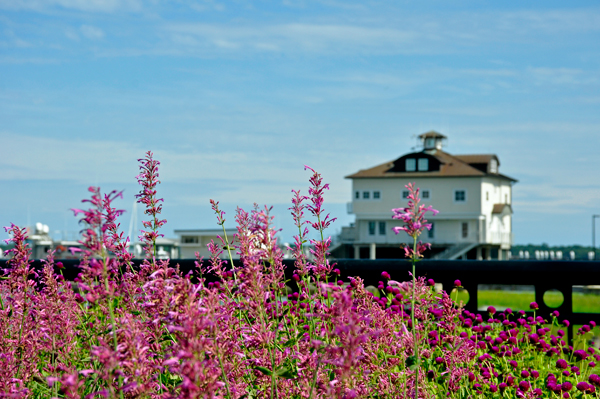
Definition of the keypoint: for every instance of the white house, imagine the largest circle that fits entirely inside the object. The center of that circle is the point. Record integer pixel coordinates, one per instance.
(473, 197)
(196, 240)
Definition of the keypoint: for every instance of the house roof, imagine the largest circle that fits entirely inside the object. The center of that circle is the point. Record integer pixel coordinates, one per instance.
(499, 208)
(433, 134)
(477, 158)
(450, 166)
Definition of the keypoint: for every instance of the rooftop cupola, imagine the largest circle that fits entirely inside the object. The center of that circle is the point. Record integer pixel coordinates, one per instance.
(432, 140)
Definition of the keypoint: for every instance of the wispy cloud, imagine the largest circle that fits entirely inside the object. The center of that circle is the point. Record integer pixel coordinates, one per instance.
(292, 37)
(92, 32)
(105, 6)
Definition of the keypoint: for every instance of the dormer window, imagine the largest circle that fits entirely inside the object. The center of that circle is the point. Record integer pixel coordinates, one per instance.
(493, 166)
(429, 142)
(411, 164)
(423, 164)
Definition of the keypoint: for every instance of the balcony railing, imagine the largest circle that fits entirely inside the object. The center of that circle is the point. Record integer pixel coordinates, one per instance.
(543, 275)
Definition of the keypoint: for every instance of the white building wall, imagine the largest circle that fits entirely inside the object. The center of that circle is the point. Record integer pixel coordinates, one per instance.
(441, 195)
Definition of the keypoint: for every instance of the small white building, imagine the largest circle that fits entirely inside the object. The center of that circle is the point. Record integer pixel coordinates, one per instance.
(196, 240)
(473, 197)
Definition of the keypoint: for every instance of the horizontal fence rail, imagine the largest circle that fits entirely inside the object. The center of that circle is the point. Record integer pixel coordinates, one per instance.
(543, 275)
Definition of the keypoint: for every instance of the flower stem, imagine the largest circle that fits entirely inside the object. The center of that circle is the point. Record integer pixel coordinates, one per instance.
(414, 325)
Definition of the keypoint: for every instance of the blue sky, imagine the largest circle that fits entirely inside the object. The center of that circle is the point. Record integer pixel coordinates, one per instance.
(235, 97)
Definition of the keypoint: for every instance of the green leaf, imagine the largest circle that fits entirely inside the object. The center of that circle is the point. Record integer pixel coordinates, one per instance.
(331, 375)
(263, 370)
(290, 342)
(412, 363)
(286, 372)
(136, 312)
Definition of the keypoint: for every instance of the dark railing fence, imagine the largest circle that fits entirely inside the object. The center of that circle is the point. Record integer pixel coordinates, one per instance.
(543, 275)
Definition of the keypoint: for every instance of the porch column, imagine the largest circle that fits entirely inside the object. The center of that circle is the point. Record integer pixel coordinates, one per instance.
(372, 254)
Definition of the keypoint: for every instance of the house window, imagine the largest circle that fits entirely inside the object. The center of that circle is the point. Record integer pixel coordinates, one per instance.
(465, 230)
(460, 196)
(376, 194)
(189, 239)
(431, 232)
(423, 164)
(425, 194)
(411, 165)
(366, 194)
(357, 195)
(371, 228)
(405, 194)
(381, 228)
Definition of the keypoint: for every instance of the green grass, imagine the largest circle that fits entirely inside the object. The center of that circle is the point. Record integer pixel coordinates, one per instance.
(517, 300)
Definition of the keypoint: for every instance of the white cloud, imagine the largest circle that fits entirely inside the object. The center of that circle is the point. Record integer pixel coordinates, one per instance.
(79, 5)
(92, 32)
(307, 37)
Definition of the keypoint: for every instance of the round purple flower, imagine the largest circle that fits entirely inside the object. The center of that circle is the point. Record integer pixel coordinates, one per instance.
(514, 363)
(534, 306)
(580, 354)
(566, 323)
(524, 373)
(493, 388)
(457, 283)
(524, 386)
(385, 275)
(582, 386)
(431, 282)
(535, 373)
(502, 386)
(491, 310)
(562, 364)
(566, 386)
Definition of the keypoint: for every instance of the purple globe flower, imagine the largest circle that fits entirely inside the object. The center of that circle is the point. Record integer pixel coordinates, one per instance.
(534, 306)
(582, 386)
(562, 364)
(524, 373)
(491, 310)
(566, 386)
(524, 386)
(457, 283)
